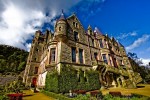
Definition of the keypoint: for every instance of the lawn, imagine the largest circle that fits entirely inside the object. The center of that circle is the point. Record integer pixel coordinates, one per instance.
(29, 95)
(143, 89)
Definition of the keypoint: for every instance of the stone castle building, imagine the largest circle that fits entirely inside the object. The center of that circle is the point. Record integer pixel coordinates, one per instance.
(71, 44)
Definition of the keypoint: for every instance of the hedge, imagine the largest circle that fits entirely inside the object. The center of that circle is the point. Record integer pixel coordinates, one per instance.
(71, 79)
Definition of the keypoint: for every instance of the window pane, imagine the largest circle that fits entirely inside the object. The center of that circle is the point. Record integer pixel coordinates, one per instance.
(81, 55)
(95, 55)
(75, 36)
(101, 43)
(36, 70)
(93, 42)
(73, 54)
(104, 58)
(52, 54)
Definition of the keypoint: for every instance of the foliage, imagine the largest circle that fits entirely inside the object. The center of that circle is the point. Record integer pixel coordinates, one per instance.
(52, 82)
(71, 79)
(12, 59)
(15, 86)
(85, 97)
(3, 97)
(135, 63)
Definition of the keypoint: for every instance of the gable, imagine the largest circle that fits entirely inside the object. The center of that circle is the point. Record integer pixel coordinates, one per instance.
(74, 22)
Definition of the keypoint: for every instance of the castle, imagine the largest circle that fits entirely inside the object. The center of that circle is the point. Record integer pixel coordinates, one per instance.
(87, 49)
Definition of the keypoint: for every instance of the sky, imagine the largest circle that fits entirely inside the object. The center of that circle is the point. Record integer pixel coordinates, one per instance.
(128, 21)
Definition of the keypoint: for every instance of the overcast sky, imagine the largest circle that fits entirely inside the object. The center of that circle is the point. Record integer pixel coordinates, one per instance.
(127, 20)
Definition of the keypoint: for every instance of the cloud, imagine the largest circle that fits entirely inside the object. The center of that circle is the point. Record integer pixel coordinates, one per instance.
(124, 35)
(138, 42)
(145, 61)
(20, 19)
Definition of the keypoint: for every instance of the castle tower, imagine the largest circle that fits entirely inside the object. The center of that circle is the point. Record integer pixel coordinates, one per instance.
(61, 28)
(33, 61)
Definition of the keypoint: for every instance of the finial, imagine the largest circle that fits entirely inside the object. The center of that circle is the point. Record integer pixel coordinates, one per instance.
(62, 12)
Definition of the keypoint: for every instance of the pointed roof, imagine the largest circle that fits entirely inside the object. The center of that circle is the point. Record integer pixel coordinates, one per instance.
(97, 31)
(89, 27)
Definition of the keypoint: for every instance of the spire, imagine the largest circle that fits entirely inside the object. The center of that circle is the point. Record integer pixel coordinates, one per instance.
(89, 27)
(62, 17)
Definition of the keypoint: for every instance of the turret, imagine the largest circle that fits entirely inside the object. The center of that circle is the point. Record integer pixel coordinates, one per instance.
(61, 28)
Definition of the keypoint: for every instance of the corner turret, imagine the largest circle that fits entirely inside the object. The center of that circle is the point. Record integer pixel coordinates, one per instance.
(61, 28)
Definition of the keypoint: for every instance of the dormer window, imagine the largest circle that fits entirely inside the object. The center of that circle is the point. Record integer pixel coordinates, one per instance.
(75, 24)
(76, 36)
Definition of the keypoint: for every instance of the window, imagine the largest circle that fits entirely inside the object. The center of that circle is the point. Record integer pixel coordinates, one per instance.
(104, 58)
(81, 55)
(121, 62)
(75, 36)
(52, 54)
(36, 70)
(73, 54)
(37, 50)
(90, 32)
(101, 43)
(93, 42)
(74, 24)
(95, 55)
(105, 43)
(59, 28)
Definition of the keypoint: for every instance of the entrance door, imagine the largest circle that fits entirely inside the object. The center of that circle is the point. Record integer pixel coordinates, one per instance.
(34, 81)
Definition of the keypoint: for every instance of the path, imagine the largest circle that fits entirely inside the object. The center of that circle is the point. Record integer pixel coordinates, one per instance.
(29, 95)
(142, 89)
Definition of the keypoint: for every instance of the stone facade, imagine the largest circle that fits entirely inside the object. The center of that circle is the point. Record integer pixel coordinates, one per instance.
(86, 49)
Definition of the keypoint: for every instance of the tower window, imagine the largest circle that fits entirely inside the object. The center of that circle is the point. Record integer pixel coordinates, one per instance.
(59, 28)
(104, 58)
(73, 54)
(95, 55)
(81, 55)
(76, 36)
(101, 43)
(52, 54)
